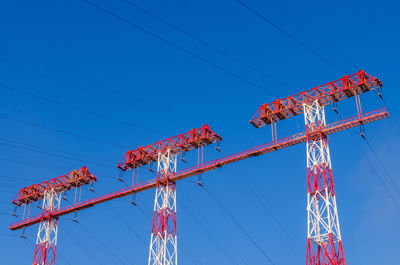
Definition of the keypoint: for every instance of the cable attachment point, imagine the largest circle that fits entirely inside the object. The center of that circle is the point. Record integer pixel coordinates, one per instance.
(380, 93)
(362, 130)
(92, 187)
(151, 168)
(183, 158)
(64, 196)
(133, 201)
(335, 107)
(218, 147)
(200, 180)
(23, 234)
(120, 177)
(75, 219)
(14, 213)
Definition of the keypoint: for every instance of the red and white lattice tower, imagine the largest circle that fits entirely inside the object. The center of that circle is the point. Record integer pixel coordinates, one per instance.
(46, 242)
(163, 244)
(324, 242)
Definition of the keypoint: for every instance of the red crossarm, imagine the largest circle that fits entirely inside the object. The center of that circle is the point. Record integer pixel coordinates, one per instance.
(345, 87)
(217, 163)
(144, 155)
(74, 179)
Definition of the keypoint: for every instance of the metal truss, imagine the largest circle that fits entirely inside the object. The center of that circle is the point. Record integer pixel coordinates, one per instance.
(195, 138)
(330, 93)
(211, 165)
(163, 244)
(76, 178)
(324, 245)
(46, 242)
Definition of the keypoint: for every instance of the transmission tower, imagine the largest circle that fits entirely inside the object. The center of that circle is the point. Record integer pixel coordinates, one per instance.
(163, 243)
(50, 192)
(45, 249)
(324, 242)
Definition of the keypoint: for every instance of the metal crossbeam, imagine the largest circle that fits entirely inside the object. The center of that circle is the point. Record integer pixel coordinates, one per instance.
(208, 166)
(36, 192)
(330, 93)
(144, 155)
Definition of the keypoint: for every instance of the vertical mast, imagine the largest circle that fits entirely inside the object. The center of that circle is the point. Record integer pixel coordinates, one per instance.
(45, 249)
(324, 242)
(163, 244)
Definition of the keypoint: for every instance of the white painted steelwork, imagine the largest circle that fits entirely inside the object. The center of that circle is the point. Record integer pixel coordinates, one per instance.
(163, 244)
(323, 228)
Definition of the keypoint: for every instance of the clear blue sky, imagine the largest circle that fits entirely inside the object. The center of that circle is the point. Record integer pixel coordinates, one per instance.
(136, 89)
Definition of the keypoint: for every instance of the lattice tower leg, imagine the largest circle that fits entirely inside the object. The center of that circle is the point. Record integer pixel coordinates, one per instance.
(324, 243)
(163, 244)
(46, 242)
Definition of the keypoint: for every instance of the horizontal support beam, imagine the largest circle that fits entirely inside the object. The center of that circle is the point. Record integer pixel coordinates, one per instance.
(72, 180)
(208, 166)
(190, 140)
(330, 93)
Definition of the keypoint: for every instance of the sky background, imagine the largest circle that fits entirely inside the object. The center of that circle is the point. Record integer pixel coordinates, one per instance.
(80, 87)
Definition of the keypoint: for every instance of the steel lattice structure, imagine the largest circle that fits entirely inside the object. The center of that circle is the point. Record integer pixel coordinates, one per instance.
(184, 142)
(330, 93)
(35, 192)
(210, 165)
(46, 242)
(50, 192)
(163, 243)
(324, 243)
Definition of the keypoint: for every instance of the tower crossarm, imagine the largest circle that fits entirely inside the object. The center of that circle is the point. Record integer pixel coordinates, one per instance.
(144, 155)
(345, 87)
(214, 164)
(35, 192)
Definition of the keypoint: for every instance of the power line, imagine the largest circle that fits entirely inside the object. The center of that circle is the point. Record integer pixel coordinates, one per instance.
(127, 225)
(208, 233)
(15, 178)
(106, 249)
(34, 163)
(29, 163)
(61, 131)
(392, 118)
(188, 253)
(258, 200)
(61, 256)
(382, 165)
(373, 169)
(307, 30)
(54, 150)
(54, 155)
(380, 180)
(185, 250)
(73, 237)
(290, 36)
(78, 77)
(99, 115)
(226, 211)
(209, 45)
(388, 146)
(172, 44)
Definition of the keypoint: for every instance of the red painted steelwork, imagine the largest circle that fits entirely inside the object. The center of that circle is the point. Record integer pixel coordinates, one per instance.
(345, 87)
(143, 155)
(208, 166)
(74, 179)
